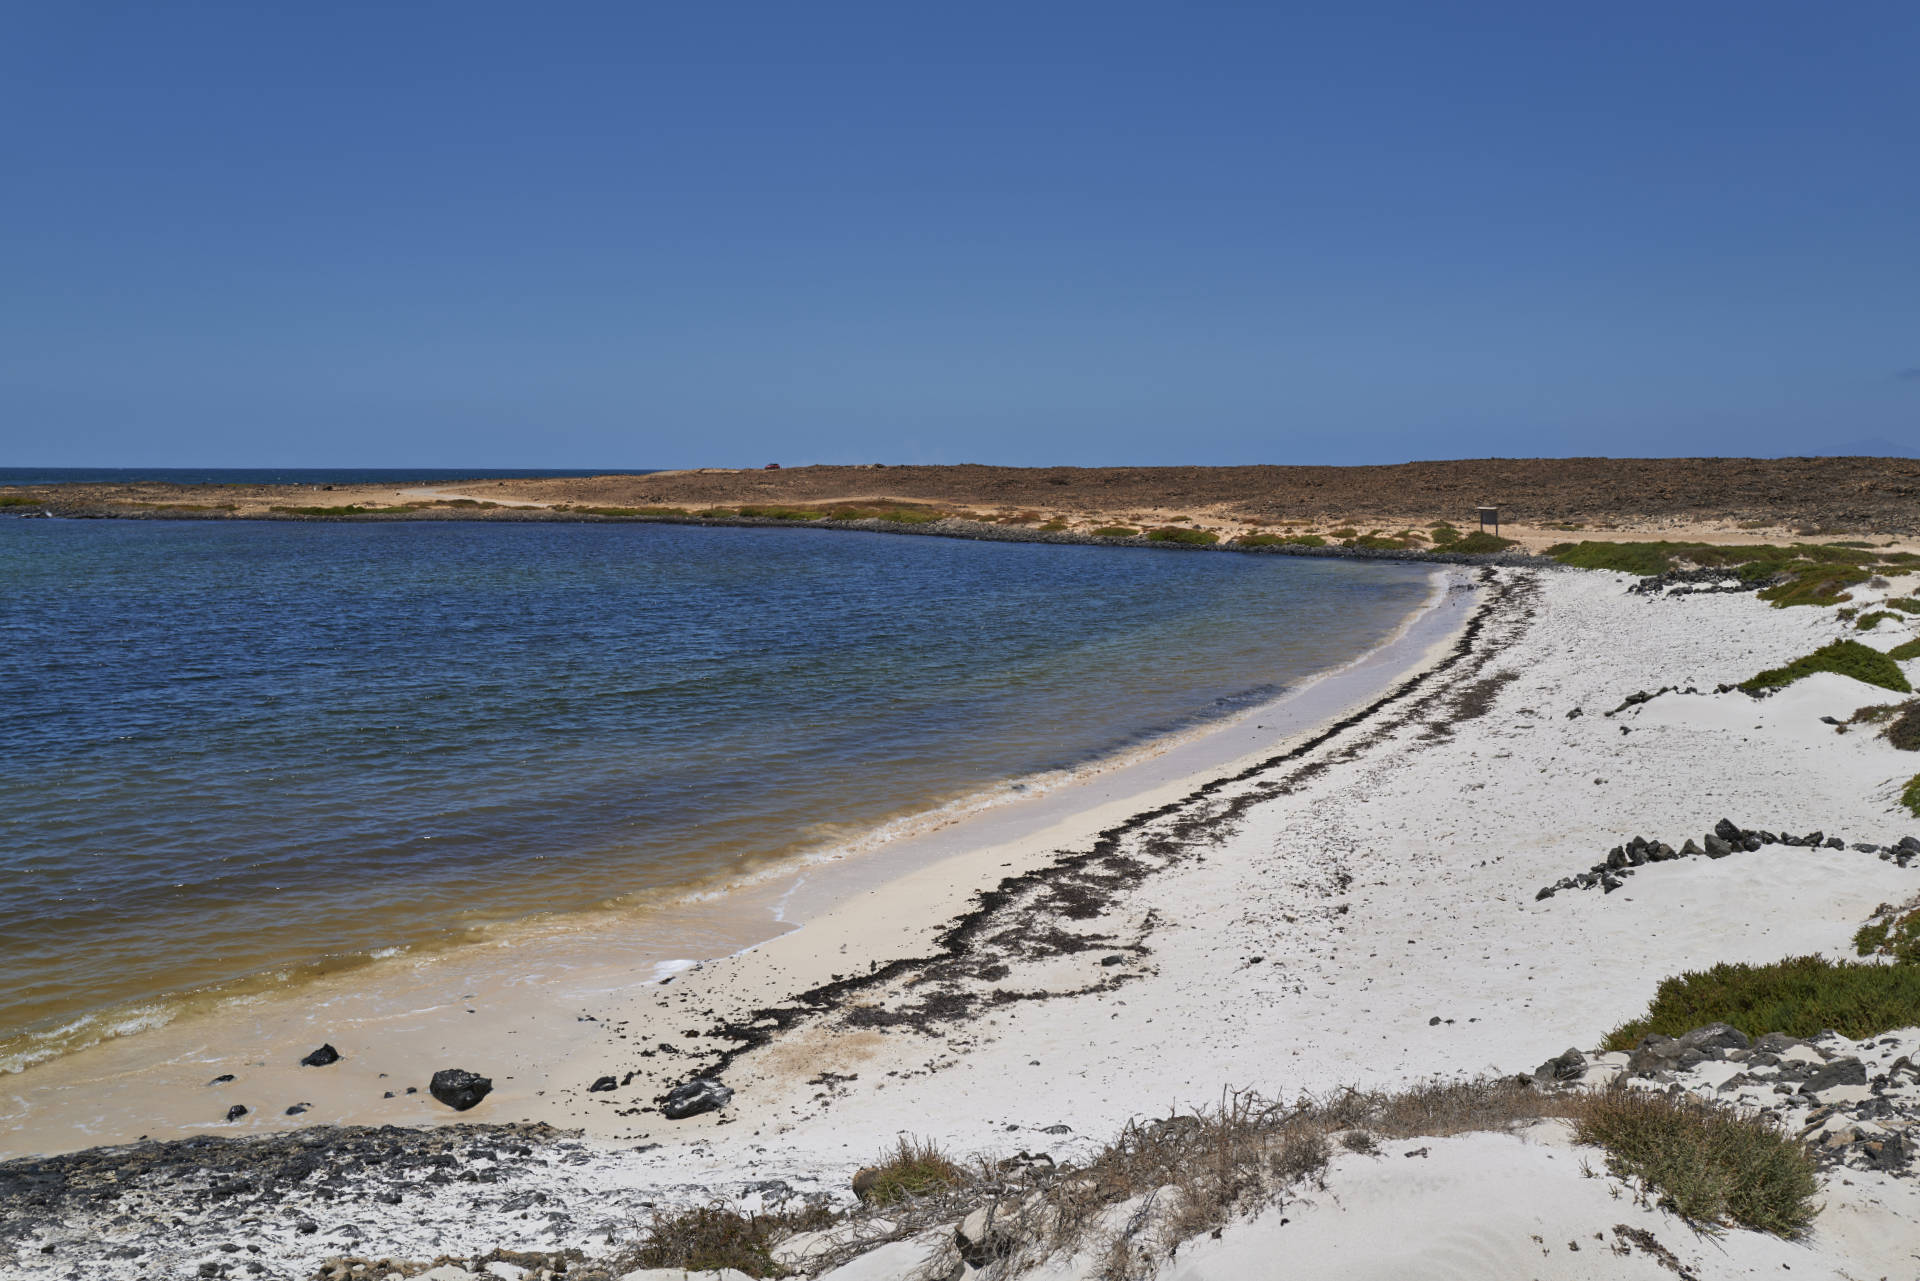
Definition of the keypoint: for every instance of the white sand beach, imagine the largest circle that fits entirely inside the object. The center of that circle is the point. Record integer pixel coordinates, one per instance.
(1348, 902)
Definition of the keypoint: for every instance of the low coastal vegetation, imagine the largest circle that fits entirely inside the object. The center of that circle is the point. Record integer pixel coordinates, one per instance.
(625, 511)
(1801, 996)
(1892, 932)
(1164, 1182)
(1795, 574)
(1190, 537)
(1279, 540)
(708, 1238)
(1115, 531)
(1711, 1165)
(915, 1168)
(350, 509)
(1899, 722)
(1843, 657)
(1910, 796)
(1479, 542)
(1867, 622)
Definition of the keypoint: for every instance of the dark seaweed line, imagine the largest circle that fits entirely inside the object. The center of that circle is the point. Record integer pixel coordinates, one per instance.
(761, 1026)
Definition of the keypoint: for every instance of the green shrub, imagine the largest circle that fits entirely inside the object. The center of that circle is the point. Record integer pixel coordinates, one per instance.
(1346, 531)
(1905, 650)
(1645, 559)
(897, 515)
(1192, 537)
(1115, 531)
(1280, 540)
(1845, 657)
(1799, 996)
(630, 511)
(1867, 622)
(1904, 730)
(1480, 542)
(783, 513)
(1910, 796)
(1709, 1164)
(1055, 525)
(18, 500)
(1905, 604)
(1814, 584)
(1893, 932)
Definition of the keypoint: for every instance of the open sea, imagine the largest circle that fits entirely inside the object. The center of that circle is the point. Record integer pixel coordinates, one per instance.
(236, 753)
(278, 475)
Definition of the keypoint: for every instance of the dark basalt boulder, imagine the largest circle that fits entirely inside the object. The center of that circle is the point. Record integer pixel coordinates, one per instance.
(602, 1085)
(694, 1097)
(237, 1111)
(321, 1057)
(458, 1088)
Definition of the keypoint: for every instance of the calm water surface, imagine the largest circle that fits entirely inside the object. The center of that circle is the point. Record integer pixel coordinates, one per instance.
(233, 746)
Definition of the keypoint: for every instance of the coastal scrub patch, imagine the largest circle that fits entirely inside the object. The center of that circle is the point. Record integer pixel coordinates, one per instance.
(1867, 622)
(1480, 542)
(1191, 537)
(1711, 1165)
(1910, 796)
(1905, 650)
(1443, 534)
(915, 1168)
(630, 511)
(1843, 657)
(1905, 604)
(1124, 531)
(1280, 540)
(711, 1237)
(782, 513)
(1891, 932)
(1800, 996)
(351, 509)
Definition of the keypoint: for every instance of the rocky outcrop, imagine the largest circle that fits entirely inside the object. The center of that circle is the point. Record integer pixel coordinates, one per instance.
(1724, 840)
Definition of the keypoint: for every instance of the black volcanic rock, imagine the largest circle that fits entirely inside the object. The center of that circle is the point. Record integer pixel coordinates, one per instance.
(458, 1088)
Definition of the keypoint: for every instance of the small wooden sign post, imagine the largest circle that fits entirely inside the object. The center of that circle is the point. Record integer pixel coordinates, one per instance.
(1490, 516)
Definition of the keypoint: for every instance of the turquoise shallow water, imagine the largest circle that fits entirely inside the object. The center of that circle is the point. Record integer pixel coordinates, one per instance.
(233, 746)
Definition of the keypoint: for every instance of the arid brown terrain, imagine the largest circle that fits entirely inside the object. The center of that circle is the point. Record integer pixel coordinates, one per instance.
(1542, 499)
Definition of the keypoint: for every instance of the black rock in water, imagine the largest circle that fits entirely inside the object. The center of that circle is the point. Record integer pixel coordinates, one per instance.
(604, 1084)
(696, 1096)
(237, 1111)
(458, 1088)
(222, 1079)
(321, 1057)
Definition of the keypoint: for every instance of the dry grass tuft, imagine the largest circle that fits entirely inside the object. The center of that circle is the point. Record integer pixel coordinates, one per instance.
(915, 1168)
(1712, 1165)
(711, 1237)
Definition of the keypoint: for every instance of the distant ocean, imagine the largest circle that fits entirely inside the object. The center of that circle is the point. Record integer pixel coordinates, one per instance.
(282, 475)
(249, 748)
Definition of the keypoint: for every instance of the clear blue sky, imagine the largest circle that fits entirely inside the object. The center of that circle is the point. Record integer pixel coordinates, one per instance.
(578, 235)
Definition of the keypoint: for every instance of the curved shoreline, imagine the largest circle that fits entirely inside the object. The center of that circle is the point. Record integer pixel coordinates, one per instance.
(566, 961)
(779, 887)
(972, 530)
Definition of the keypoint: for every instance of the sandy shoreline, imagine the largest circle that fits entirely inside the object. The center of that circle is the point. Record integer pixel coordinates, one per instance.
(1357, 907)
(419, 1008)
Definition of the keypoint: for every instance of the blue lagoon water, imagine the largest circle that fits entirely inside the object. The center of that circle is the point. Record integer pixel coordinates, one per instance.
(238, 748)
